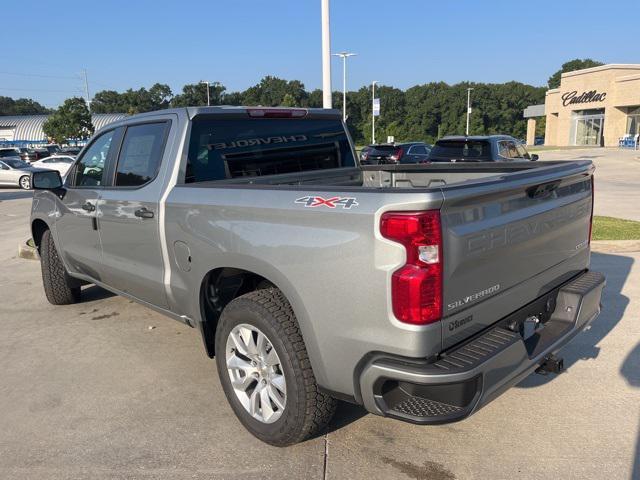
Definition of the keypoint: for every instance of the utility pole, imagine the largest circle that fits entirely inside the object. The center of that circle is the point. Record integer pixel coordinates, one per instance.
(207, 82)
(344, 56)
(373, 115)
(86, 89)
(326, 56)
(468, 108)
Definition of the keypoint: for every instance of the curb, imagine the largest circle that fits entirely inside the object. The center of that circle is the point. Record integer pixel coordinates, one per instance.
(615, 246)
(28, 252)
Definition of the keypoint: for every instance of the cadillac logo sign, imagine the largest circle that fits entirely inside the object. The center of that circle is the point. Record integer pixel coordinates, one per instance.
(570, 98)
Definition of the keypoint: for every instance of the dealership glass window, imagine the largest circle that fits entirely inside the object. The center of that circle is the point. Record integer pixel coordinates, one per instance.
(633, 121)
(587, 127)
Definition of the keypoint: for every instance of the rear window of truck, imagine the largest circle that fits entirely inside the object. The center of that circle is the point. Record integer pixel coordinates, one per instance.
(234, 148)
(461, 150)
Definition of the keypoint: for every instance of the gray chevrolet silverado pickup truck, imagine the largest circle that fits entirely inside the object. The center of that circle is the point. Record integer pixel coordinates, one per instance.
(420, 292)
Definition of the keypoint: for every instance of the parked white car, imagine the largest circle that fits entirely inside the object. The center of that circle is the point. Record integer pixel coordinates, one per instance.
(16, 172)
(61, 163)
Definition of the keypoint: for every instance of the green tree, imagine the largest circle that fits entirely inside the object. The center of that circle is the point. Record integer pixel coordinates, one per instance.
(195, 95)
(570, 66)
(131, 101)
(21, 106)
(71, 121)
(107, 101)
(271, 92)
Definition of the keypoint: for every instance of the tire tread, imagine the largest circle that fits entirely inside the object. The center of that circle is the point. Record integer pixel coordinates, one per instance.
(55, 279)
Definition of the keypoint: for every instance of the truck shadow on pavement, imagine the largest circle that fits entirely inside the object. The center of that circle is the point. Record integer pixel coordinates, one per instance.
(15, 195)
(346, 413)
(585, 346)
(630, 370)
(94, 293)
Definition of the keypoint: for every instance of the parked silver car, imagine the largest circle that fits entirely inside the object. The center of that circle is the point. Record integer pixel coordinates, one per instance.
(16, 172)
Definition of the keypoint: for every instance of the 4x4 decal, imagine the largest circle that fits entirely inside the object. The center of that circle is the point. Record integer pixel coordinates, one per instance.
(333, 202)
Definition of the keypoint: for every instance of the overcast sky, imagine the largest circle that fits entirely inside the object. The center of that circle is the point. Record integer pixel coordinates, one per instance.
(135, 43)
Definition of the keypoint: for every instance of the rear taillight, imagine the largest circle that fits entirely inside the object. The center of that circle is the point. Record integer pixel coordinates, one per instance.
(277, 112)
(593, 194)
(416, 287)
(397, 155)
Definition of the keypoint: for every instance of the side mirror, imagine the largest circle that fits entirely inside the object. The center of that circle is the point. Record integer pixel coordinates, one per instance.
(46, 180)
(534, 157)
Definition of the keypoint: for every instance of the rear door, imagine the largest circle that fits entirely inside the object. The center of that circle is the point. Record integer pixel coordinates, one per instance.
(128, 214)
(500, 235)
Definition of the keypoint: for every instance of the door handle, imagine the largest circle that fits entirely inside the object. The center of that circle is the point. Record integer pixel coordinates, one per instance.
(89, 207)
(143, 213)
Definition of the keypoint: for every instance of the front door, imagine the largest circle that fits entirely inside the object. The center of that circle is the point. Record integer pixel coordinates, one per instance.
(76, 225)
(128, 214)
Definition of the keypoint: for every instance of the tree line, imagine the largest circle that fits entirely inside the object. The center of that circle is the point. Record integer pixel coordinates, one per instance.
(423, 112)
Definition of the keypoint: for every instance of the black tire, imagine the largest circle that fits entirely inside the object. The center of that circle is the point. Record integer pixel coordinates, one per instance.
(25, 182)
(59, 287)
(308, 410)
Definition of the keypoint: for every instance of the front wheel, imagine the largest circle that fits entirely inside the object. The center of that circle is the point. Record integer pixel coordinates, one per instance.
(25, 182)
(59, 287)
(265, 371)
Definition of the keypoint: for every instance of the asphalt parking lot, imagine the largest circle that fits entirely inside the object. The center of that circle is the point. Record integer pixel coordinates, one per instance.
(108, 389)
(617, 178)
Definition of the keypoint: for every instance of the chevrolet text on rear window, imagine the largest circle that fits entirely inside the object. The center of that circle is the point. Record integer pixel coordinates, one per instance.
(419, 291)
(232, 148)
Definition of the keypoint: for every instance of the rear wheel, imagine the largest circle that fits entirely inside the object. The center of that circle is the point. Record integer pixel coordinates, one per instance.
(265, 371)
(59, 287)
(25, 182)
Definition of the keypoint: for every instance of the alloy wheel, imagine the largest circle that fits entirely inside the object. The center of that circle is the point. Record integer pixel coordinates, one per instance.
(256, 373)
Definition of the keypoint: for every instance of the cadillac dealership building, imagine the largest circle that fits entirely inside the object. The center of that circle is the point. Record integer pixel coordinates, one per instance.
(596, 106)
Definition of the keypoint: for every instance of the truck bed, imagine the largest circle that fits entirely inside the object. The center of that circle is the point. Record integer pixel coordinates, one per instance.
(510, 232)
(422, 176)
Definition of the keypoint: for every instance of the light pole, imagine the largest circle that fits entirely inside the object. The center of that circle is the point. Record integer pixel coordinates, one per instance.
(326, 56)
(468, 108)
(344, 56)
(373, 115)
(207, 83)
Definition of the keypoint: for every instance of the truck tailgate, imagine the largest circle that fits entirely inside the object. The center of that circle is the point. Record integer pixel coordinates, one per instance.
(516, 236)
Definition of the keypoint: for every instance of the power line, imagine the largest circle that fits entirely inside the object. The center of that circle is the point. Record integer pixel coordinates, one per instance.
(38, 75)
(37, 90)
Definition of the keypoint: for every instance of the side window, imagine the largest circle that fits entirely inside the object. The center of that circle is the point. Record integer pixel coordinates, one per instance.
(508, 149)
(140, 155)
(418, 150)
(503, 150)
(522, 152)
(513, 151)
(89, 169)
